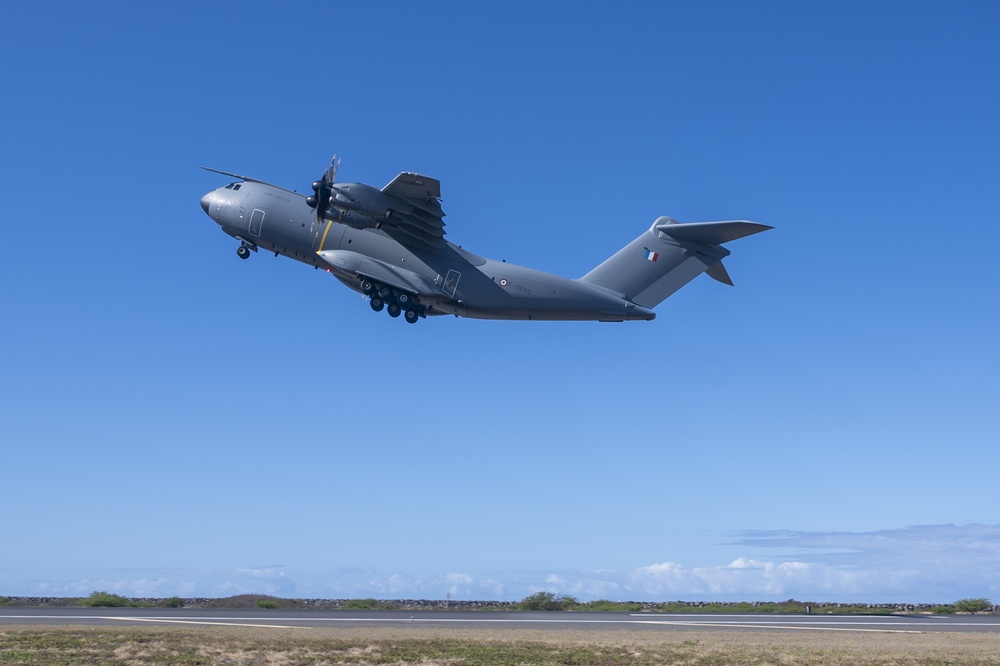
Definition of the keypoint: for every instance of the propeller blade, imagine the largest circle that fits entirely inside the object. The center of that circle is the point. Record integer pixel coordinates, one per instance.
(334, 165)
(323, 189)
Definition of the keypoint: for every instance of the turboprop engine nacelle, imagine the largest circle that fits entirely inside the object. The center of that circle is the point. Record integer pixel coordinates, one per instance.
(354, 219)
(361, 198)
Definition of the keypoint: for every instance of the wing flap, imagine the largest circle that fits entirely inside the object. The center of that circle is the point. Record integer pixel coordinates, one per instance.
(418, 215)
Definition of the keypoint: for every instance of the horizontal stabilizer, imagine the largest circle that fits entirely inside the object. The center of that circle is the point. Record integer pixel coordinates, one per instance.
(710, 233)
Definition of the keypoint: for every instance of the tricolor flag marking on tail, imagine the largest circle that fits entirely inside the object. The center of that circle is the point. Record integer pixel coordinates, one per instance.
(650, 255)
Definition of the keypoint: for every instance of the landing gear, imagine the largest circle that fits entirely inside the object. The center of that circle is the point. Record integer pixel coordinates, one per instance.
(382, 297)
(243, 251)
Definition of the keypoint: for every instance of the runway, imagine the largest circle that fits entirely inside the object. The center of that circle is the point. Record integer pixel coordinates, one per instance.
(501, 620)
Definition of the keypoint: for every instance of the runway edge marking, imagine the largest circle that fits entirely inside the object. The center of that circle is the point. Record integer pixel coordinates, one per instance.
(157, 620)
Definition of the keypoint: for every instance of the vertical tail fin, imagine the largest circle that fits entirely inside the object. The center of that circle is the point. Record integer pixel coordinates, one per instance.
(667, 256)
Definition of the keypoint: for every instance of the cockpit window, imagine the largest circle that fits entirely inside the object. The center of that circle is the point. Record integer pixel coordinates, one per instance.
(233, 186)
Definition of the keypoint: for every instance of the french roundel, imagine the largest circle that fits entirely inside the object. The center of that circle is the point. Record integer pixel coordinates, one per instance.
(503, 282)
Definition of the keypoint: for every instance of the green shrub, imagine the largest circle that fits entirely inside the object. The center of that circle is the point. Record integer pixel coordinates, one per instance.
(547, 601)
(360, 604)
(171, 602)
(854, 609)
(947, 609)
(248, 601)
(978, 605)
(790, 606)
(106, 600)
(267, 604)
(607, 606)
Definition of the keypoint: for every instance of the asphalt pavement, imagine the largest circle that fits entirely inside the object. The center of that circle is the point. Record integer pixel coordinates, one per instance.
(500, 620)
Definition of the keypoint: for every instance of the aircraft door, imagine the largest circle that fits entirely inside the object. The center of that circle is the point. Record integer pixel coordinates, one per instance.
(256, 221)
(451, 282)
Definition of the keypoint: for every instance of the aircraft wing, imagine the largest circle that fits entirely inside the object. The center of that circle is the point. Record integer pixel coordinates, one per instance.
(418, 213)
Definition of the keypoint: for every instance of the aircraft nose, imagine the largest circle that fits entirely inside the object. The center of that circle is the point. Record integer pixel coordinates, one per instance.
(206, 202)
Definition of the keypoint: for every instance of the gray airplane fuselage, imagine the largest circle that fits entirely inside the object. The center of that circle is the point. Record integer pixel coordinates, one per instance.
(450, 280)
(401, 260)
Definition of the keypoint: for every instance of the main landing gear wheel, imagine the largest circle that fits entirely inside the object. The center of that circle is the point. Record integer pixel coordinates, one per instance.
(367, 287)
(411, 317)
(394, 309)
(243, 252)
(403, 299)
(384, 292)
(377, 304)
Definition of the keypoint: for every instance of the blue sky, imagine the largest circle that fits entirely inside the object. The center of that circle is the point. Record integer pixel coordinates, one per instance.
(177, 421)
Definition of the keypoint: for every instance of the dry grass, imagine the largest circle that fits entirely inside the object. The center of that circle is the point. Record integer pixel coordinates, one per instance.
(428, 646)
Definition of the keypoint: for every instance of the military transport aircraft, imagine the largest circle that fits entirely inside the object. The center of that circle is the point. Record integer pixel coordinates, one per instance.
(389, 245)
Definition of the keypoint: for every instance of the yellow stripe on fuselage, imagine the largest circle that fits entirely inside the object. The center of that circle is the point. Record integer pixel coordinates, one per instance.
(325, 232)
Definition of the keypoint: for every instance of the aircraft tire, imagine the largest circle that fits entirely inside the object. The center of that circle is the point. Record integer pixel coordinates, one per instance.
(243, 252)
(394, 310)
(367, 287)
(403, 299)
(384, 292)
(377, 304)
(411, 316)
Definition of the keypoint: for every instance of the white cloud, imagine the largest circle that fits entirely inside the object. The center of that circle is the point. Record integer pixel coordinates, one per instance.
(264, 572)
(555, 580)
(947, 545)
(458, 578)
(137, 587)
(923, 562)
(929, 563)
(457, 584)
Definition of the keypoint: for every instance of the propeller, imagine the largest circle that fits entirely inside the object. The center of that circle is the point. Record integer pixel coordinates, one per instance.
(322, 189)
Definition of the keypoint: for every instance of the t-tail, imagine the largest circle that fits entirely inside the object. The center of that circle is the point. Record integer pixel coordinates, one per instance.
(668, 256)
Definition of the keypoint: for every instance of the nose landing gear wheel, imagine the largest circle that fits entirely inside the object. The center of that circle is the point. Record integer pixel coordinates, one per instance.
(411, 317)
(243, 252)
(377, 304)
(393, 310)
